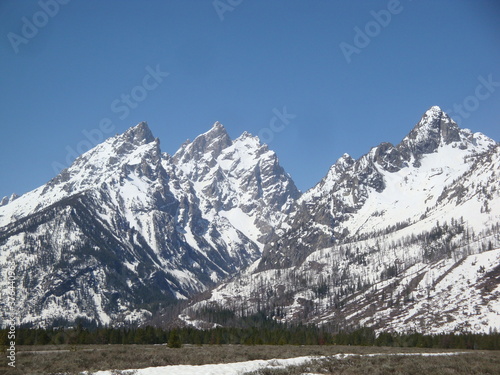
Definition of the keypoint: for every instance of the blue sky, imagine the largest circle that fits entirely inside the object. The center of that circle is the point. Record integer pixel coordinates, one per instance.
(314, 78)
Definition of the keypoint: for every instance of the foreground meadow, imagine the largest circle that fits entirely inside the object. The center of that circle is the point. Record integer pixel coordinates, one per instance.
(62, 359)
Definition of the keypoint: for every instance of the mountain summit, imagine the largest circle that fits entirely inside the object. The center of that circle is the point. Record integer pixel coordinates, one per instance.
(351, 185)
(383, 240)
(209, 144)
(435, 128)
(139, 134)
(405, 238)
(127, 227)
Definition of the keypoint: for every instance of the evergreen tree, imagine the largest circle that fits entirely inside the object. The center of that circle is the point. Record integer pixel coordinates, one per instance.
(174, 340)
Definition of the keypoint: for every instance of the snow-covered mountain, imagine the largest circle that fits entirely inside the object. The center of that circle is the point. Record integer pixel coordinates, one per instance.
(7, 200)
(238, 183)
(406, 237)
(127, 228)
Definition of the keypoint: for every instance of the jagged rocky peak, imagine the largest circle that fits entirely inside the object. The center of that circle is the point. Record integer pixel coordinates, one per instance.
(380, 218)
(434, 129)
(129, 141)
(139, 134)
(215, 140)
(334, 173)
(134, 137)
(6, 200)
(246, 135)
(217, 129)
(109, 152)
(343, 163)
(136, 146)
(345, 159)
(211, 142)
(249, 141)
(248, 138)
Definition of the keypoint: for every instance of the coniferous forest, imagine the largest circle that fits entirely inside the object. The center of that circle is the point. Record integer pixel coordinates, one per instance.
(252, 330)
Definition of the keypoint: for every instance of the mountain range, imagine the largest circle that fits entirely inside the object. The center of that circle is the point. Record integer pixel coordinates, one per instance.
(404, 238)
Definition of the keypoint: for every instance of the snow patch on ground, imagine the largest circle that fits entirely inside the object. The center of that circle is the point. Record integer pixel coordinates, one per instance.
(219, 369)
(248, 366)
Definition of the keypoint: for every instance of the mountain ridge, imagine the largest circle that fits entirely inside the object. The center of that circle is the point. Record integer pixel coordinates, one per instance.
(140, 226)
(391, 224)
(128, 228)
(354, 179)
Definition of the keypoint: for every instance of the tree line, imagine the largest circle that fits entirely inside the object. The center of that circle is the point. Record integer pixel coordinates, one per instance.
(268, 334)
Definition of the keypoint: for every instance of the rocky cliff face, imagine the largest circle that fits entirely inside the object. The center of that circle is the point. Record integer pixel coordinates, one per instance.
(127, 228)
(402, 238)
(405, 236)
(240, 179)
(331, 208)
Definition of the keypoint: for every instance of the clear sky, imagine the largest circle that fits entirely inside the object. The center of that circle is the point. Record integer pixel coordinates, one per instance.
(314, 78)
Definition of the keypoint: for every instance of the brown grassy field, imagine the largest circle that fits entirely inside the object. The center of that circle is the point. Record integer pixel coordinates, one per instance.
(71, 360)
(478, 363)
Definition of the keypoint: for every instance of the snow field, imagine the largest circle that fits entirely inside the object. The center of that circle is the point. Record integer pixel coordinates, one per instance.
(239, 368)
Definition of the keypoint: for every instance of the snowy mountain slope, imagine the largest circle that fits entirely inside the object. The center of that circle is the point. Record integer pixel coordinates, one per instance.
(389, 186)
(79, 228)
(407, 236)
(367, 239)
(445, 296)
(125, 229)
(238, 181)
(7, 200)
